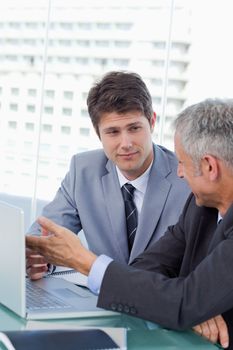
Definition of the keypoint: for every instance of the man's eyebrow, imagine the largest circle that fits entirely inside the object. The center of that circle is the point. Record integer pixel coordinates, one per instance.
(110, 128)
(135, 123)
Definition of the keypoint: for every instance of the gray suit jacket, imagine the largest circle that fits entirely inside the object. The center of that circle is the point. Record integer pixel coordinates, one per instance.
(183, 279)
(90, 199)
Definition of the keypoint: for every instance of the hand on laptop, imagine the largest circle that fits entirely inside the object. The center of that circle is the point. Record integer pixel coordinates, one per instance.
(36, 266)
(59, 246)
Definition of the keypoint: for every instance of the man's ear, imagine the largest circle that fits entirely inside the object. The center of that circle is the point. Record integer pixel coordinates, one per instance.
(152, 122)
(210, 167)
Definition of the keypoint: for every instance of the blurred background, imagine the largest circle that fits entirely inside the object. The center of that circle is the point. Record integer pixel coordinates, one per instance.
(51, 52)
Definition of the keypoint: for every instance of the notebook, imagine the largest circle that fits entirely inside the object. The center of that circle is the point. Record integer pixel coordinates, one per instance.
(117, 334)
(63, 299)
(85, 339)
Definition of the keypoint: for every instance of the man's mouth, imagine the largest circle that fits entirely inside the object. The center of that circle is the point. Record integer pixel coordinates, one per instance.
(130, 154)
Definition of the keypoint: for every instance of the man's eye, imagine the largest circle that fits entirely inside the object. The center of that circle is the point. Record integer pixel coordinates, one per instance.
(112, 132)
(135, 128)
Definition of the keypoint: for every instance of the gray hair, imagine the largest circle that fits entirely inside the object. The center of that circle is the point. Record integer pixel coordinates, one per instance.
(207, 128)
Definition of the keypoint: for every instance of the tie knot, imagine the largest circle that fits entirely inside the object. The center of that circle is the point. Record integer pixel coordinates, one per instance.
(127, 191)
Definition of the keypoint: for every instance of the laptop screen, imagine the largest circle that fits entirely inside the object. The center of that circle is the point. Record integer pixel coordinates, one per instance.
(12, 258)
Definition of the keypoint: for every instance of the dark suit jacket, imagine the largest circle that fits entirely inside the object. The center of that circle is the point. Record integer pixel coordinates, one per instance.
(183, 279)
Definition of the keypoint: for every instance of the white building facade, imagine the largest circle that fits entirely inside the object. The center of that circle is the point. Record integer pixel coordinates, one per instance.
(49, 59)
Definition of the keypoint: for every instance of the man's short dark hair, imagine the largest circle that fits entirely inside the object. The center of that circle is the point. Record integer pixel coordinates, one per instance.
(119, 92)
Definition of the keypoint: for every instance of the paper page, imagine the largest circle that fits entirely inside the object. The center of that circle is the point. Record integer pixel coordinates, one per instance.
(70, 275)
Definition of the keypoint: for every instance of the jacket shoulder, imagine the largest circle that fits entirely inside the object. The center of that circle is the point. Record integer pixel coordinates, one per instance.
(167, 156)
(90, 159)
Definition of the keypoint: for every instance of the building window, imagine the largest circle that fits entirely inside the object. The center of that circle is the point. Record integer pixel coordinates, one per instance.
(68, 95)
(124, 26)
(83, 43)
(158, 63)
(102, 43)
(65, 42)
(66, 26)
(32, 92)
(156, 82)
(67, 111)
(82, 61)
(64, 59)
(48, 110)
(14, 91)
(159, 45)
(14, 107)
(84, 131)
(123, 44)
(121, 62)
(31, 108)
(14, 25)
(12, 125)
(85, 25)
(49, 93)
(47, 128)
(65, 130)
(104, 25)
(31, 25)
(84, 113)
(29, 126)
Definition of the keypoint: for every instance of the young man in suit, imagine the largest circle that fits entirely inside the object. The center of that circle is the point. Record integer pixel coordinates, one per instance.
(90, 196)
(185, 278)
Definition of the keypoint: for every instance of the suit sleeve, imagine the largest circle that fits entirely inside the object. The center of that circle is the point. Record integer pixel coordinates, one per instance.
(178, 302)
(63, 208)
(164, 256)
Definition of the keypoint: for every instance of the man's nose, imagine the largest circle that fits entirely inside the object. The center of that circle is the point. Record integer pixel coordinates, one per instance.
(126, 141)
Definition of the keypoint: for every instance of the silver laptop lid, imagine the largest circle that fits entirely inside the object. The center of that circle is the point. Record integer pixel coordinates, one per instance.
(12, 258)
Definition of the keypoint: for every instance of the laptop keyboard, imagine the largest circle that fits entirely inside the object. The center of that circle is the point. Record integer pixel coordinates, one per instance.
(37, 298)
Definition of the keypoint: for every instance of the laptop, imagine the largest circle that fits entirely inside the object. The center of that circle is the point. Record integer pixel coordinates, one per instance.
(62, 298)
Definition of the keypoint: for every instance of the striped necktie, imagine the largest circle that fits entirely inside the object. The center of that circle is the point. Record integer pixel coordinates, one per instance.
(130, 212)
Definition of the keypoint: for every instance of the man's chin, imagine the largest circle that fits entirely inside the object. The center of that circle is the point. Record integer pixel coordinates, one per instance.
(198, 201)
(203, 203)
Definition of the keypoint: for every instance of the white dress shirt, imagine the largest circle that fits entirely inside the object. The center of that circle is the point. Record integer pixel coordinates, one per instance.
(140, 185)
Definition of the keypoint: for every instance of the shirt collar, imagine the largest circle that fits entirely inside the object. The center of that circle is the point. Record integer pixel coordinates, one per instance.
(219, 217)
(140, 183)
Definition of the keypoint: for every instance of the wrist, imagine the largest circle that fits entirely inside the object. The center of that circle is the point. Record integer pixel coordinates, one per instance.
(85, 262)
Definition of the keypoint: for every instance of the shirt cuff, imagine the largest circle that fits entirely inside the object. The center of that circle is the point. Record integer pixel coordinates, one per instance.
(97, 272)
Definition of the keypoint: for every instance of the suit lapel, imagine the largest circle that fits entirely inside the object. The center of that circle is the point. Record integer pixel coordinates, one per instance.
(157, 191)
(115, 211)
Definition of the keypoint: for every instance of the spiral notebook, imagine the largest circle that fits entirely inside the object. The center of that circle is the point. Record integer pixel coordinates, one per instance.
(70, 275)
